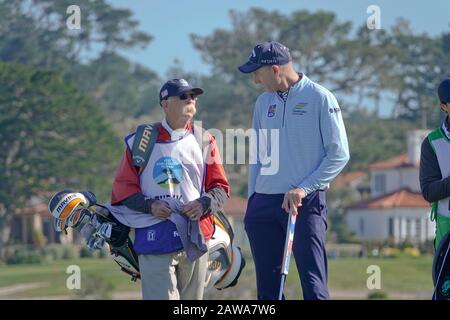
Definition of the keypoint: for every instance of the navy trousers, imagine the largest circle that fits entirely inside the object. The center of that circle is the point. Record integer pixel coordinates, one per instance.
(266, 223)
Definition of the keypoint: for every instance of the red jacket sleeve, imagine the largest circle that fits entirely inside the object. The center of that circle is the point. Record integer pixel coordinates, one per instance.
(126, 182)
(215, 173)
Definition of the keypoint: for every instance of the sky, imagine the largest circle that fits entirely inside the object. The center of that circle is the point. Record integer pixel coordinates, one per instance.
(171, 22)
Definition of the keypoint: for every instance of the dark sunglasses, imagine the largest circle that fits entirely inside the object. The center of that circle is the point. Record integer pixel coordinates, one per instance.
(184, 96)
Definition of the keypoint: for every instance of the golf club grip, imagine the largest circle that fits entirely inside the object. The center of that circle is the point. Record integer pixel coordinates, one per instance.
(288, 243)
(280, 295)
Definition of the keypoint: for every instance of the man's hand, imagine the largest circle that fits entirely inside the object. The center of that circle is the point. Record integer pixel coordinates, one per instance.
(293, 199)
(161, 209)
(193, 209)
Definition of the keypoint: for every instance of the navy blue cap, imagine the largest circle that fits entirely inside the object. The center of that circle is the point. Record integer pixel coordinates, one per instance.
(266, 54)
(175, 88)
(444, 90)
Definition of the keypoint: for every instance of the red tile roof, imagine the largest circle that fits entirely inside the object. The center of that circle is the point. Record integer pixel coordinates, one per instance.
(344, 179)
(403, 198)
(401, 161)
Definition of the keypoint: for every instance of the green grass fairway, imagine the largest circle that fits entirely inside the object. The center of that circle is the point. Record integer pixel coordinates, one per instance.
(401, 278)
(55, 276)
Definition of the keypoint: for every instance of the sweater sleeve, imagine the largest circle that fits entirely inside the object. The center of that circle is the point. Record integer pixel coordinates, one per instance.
(138, 202)
(433, 187)
(335, 143)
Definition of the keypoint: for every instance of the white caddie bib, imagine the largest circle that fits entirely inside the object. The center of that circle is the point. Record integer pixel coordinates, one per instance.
(175, 169)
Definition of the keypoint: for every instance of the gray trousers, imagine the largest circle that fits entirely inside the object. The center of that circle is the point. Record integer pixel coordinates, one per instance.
(172, 276)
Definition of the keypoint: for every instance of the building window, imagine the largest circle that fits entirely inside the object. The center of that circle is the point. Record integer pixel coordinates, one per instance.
(391, 227)
(408, 229)
(16, 232)
(47, 229)
(361, 226)
(419, 229)
(380, 183)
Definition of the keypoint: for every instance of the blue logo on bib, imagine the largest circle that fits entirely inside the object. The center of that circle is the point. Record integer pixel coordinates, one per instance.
(167, 172)
(158, 238)
(151, 235)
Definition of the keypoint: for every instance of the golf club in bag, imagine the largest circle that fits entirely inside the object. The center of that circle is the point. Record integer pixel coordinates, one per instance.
(98, 226)
(441, 270)
(287, 250)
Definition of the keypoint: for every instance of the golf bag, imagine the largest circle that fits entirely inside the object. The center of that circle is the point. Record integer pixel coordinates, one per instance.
(225, 262)
(441, 270)
(98, 226)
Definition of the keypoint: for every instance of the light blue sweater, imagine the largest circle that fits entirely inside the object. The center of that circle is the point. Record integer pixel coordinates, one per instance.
(312, 146)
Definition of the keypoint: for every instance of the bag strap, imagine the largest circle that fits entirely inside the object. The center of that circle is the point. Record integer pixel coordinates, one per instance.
(144, 142)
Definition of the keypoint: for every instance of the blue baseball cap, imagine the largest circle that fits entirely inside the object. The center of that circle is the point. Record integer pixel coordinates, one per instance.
(266, 54)
(175, 88)
(444, 90)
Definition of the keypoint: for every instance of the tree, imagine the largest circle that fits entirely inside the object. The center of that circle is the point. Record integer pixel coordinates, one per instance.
(121, 88)
(52, 44)
(51, 137)
(372, 139)
(320, 45)
(88, 56)
(420, 66)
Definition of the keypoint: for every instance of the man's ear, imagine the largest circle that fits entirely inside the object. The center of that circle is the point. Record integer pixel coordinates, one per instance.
(163, 104)
(276, 69)
(443, 106)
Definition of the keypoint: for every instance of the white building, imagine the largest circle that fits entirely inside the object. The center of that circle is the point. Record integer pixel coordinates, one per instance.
(396, 209)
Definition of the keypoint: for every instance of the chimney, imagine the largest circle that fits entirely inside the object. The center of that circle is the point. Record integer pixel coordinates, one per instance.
(415, 138)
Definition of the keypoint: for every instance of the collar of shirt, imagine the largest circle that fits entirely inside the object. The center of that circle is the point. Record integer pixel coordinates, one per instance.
(284, 95)
(173, 134)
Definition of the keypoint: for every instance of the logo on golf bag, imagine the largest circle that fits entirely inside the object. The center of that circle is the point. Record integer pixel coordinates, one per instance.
(445, 288)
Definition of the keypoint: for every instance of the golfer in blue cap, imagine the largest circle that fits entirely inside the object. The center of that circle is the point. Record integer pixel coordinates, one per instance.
(313, 149)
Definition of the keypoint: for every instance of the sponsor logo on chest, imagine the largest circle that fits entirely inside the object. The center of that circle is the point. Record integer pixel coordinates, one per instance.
(299, 109)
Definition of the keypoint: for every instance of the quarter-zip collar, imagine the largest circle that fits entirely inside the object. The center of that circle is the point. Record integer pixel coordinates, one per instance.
(284, 95)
